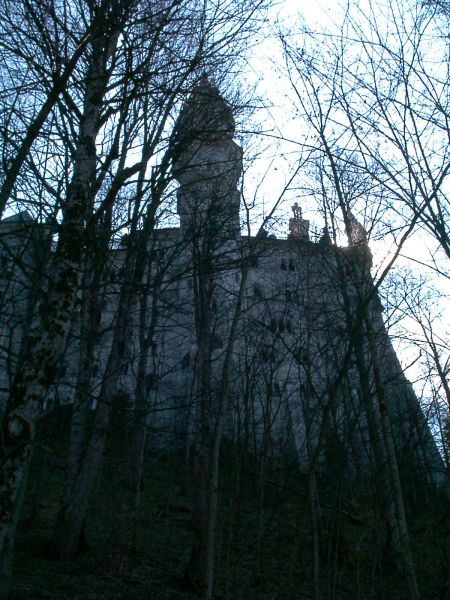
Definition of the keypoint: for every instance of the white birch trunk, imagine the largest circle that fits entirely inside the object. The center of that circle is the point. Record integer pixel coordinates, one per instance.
(50, 331)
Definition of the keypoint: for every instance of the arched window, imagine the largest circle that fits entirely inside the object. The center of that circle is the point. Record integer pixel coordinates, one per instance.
(257, 292)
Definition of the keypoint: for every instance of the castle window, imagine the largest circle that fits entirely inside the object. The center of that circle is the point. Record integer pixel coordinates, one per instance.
(273, 389)
(161, 253)
(291, 265)
(257, 292)
(186, 361)
(151, 381)
(217, 342)
(268, 354)
(61, 370)
(283, 265)
(7, 263)
(302, 357)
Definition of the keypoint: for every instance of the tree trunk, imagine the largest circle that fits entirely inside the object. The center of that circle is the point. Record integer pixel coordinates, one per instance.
(195, 572)
(403, 547)
(49, 333)
(379, 425)
(138, 438)
(68, 534)
(136, 450)
(79, 423)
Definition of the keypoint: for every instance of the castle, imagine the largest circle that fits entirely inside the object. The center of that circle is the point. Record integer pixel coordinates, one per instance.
(293, 326)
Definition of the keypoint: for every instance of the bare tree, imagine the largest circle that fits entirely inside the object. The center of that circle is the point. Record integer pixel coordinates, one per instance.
(129, 37)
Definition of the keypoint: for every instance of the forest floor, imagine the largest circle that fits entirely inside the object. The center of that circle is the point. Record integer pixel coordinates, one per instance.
(265, 545)
(129, 554)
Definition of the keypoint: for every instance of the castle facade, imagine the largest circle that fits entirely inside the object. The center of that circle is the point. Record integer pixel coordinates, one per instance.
(283, 338)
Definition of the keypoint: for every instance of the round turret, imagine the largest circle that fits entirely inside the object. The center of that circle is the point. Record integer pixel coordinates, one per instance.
(206, 117)
(207, 163)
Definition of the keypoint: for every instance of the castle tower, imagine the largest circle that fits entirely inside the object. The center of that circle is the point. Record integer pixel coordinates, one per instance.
(208, 164)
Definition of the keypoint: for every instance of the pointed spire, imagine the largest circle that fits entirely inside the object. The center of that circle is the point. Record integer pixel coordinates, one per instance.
(357, 234)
